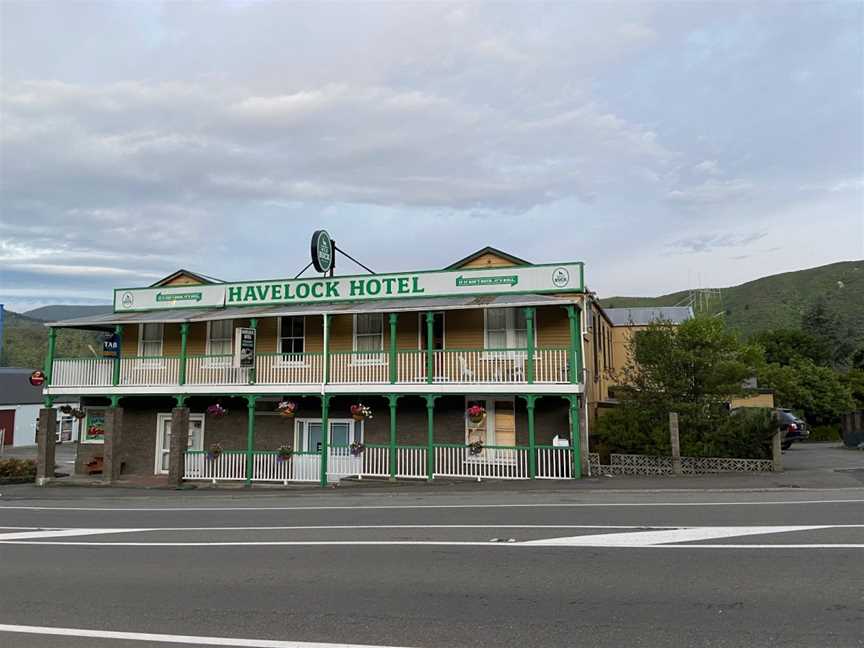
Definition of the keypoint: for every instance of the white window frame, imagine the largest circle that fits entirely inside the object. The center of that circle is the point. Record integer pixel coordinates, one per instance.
(157, 455)
(71, 420)
(280, 357)
(151, 362)
(381, 353)
(357, 430)
(510, 326)
(218, 362)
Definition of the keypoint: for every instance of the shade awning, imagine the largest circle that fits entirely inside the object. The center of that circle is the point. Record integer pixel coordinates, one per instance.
(107, 321)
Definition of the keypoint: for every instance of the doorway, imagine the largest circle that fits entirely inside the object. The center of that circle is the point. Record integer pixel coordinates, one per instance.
(163, 439)
(343, 432)
(7, 428)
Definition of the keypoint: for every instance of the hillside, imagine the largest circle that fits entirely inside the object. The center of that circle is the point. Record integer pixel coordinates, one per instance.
(25, 342)
(779, 300)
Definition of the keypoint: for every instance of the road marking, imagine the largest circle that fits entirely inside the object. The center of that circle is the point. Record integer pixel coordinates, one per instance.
(646, 538)
(178, 639)
(422, 506)
(29, 535)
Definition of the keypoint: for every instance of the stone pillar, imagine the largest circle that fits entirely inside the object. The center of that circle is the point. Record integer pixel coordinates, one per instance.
(777, 451)
(179, 444)
(112, 458)
(46, 437)
(674, 441)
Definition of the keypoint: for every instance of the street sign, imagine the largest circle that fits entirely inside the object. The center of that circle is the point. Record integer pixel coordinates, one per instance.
(244, 348)
(111, 346)
(322, 251)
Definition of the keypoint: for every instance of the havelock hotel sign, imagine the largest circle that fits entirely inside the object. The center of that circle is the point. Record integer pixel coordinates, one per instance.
(555, 278)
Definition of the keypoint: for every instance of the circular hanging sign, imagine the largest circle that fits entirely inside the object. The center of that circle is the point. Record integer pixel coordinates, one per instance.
(322, 251)
(37, 378)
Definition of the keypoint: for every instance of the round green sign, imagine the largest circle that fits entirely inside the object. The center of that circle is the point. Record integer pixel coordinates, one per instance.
(322, 251)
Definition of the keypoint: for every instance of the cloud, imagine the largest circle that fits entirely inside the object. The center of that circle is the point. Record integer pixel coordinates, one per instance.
(711, 242)
(711, 192)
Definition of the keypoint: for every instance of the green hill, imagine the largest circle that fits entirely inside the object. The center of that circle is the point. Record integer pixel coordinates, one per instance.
(778, 300)
(25, 342)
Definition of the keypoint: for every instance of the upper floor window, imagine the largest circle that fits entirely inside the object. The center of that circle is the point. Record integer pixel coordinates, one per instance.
(292, 334)
(150, 340)
(505, 328)
(219, 337)
(369, 332)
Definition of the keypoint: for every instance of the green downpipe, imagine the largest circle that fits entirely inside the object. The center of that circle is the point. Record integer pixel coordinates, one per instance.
(250, 438)
(574, 318)
(184, 341)
(576, 438)
(325, 436)
(394, 318)
(392, 398)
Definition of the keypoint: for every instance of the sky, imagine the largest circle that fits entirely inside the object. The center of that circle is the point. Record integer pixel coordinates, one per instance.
(667, 145)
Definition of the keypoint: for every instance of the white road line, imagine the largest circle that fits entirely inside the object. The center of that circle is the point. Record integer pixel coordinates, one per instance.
(646, 538)
(169, 638)
(421, 506)
(30, 535)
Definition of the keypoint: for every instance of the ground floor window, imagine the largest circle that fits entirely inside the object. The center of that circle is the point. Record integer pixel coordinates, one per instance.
(343, 432)
(65, 429)
(498, 427)
(163, 438)
(94, 426)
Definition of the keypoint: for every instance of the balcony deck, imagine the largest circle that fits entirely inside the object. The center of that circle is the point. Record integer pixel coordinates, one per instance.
(451, 370)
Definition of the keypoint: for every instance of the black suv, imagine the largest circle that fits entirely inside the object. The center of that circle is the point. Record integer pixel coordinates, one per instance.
(792, 427)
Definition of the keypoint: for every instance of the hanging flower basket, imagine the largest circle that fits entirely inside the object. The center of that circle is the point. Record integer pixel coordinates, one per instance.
(360, 412)
(214, 451)
(66, 409)
(78, 413)
(476, 414)
(284, 453)
(287, 408)
(217, 411)
(357, 449)
(475, 448)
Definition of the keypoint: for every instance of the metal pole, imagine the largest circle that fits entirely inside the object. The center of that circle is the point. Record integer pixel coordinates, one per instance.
(430, 442)
(184, 340)
(250, 438)
(325, 436)
(674, 442)
(530, 400)
(575, 437)
(430, 353)
(394, 317)
(529, 335)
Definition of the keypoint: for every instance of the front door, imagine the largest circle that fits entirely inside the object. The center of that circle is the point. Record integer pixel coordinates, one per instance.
(7, 427)
(163, 439)
(343, 432)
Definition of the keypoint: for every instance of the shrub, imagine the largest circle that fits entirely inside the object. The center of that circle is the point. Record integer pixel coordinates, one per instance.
(825, 433)
(17, 468)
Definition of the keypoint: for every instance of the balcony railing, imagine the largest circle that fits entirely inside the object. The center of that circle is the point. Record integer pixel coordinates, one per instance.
(450, 366)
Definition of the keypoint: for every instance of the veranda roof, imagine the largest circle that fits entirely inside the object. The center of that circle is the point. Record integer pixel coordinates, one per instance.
(109, 320)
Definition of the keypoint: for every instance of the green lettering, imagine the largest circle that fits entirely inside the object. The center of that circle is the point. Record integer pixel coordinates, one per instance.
(388, 285)
(403, 285)
(234, 294)
(277, 292)
(250, 294)
(373, 286)
(318, 290)
(415, 285)
(262, 291)
(332, 289)
(302, 291)
(286, 289)
(357, 288)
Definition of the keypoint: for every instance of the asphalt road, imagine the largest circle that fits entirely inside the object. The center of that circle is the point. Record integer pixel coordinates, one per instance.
(434, 568)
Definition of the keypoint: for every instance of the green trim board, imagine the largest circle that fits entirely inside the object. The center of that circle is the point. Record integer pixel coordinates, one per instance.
(536, 279)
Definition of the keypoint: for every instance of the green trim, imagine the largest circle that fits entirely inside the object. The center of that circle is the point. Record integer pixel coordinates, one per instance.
(48, 401)
(49, 359)
(250, 437)
(575, 436)
(184, 340)
(392, 399)
(325, 436)
(573, 289)
(530, 402)
(326, 352)
(430, 351)
(574, 317)
(394, 318)
(181, 399)
(529, 334)
(486, 447)
(115, 400)
(430, 434)
(115, 378)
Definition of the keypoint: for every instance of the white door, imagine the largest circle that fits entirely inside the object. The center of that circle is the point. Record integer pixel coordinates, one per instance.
(163, 439)
(343, 432)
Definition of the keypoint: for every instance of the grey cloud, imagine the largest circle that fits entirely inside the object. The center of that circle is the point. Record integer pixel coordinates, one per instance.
(710, 242)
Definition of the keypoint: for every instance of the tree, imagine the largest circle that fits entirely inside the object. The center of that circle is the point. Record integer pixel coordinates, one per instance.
(823, 323)
(692, 369)
(782, 346)
(820, 393)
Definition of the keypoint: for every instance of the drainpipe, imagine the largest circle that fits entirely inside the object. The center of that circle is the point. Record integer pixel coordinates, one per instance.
(582, 331)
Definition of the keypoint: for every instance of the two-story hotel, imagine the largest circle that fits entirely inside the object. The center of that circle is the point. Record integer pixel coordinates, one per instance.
(421, 350)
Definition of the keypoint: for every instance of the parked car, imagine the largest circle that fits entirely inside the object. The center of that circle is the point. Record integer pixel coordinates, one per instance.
(792, 427)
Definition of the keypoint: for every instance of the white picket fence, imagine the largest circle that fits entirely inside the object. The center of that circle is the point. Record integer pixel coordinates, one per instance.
(230, 465)
(82, 372)
(411, 463)
(267, 466)
(149, 371)
(214, 370)
(550, 366)
(363, 368)
(491, 463)
(554, 463)
(290, 369)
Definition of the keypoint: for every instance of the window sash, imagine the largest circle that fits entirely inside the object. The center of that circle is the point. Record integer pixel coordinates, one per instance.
(150, 343)
(292, 334)
(369, 332)
(506, 328)
(219, 337)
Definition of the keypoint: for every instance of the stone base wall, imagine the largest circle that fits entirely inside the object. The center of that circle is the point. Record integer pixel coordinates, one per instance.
(140, 416)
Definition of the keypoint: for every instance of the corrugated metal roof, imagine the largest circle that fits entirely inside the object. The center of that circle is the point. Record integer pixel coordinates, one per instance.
(15, 388)
(645, 316)
(377, 306)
